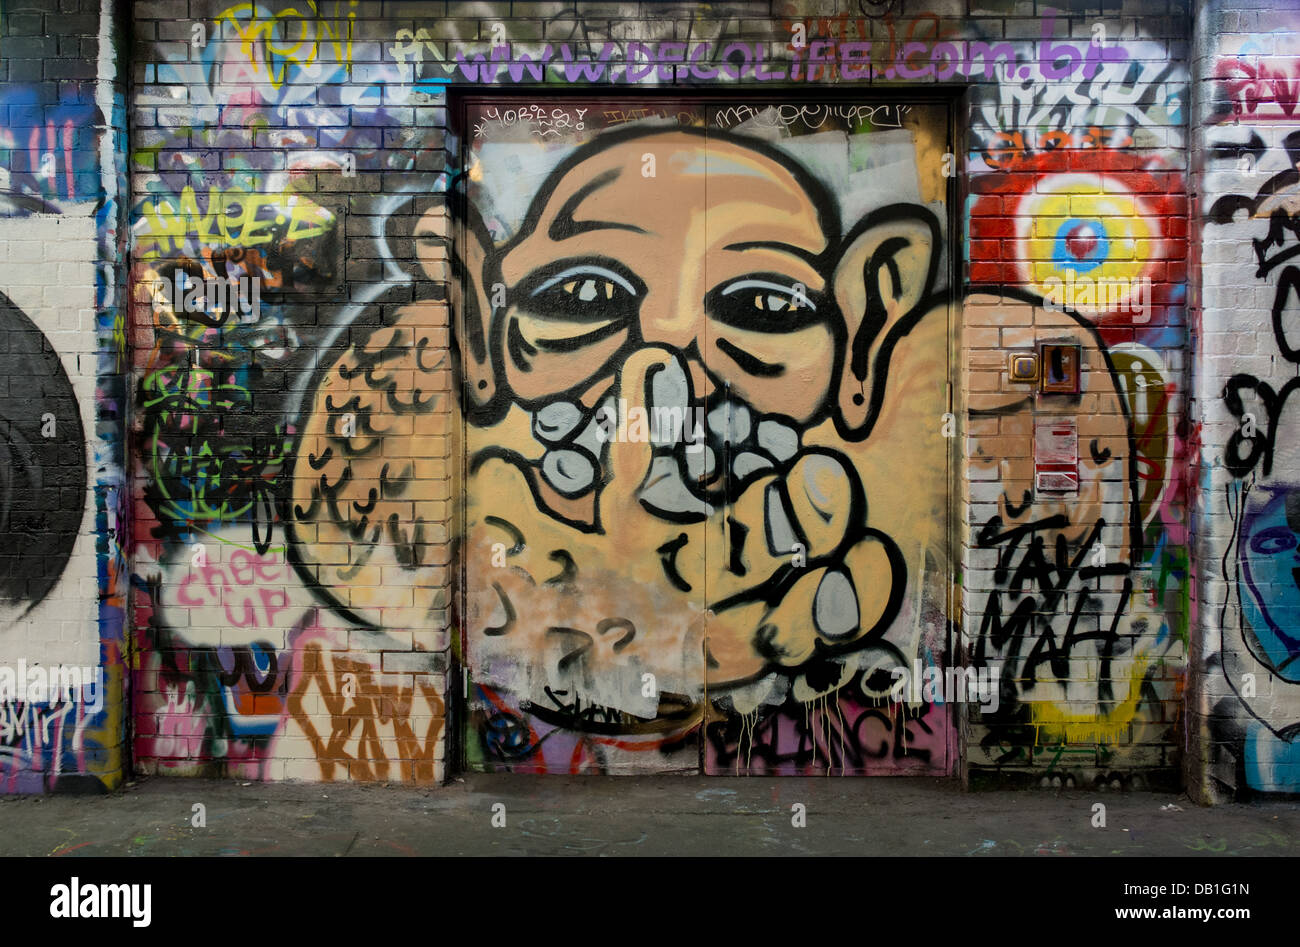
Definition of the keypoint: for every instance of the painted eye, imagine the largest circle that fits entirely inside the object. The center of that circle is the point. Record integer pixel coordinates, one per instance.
(590, 289)
(582, 293)
(1270, 542)
(763, 304)
(773, 302)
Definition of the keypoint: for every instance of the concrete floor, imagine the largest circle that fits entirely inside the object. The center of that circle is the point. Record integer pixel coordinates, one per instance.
(643, 816)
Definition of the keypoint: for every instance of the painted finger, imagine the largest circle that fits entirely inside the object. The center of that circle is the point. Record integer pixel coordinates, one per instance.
(834, 605)
(645, 474)
(780, 523)
(826, 498)
(629, 450)
(752, 539)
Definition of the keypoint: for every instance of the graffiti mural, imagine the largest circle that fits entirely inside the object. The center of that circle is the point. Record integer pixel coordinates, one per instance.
(1077, 237)
(1076, 639)
(1253, 481)
(43, 470)
(238, 270)
(679, 416)
(631, 433)
(60, 448)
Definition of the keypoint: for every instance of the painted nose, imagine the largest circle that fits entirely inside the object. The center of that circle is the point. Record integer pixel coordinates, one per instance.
(681, 332)
(702, 386)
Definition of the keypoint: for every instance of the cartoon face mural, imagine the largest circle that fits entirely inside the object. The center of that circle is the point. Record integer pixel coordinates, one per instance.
(644, 430)
(744, 257)
(672, 369)
(720, 290)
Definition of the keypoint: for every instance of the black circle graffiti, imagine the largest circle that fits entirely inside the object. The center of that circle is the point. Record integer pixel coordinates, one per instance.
(42, 464)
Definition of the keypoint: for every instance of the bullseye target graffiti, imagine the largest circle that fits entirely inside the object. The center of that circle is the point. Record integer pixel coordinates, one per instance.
(1086, 232)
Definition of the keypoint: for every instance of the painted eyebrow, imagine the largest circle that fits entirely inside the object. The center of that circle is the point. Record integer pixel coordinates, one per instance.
(808, 256)
(564, 226)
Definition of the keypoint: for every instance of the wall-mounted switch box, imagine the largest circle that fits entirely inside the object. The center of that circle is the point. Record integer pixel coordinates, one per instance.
(1056, 455)
(1061, 365)
(1022, 367)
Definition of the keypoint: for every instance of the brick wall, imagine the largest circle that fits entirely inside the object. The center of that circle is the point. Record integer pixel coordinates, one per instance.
(61, 401)
(1081, 594)
(271, 649)
(1244, 155)
(302, 564)
(305, 148)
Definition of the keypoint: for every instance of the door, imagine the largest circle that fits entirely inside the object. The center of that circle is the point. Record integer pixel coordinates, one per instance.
(705, 348)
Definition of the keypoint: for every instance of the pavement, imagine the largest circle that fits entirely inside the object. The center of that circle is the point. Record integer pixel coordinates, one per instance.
(559, 815)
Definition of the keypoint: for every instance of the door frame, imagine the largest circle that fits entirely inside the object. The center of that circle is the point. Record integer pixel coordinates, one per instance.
(956, 99)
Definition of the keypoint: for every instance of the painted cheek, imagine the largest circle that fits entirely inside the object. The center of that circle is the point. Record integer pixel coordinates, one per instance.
(805, 361)
(551, 373)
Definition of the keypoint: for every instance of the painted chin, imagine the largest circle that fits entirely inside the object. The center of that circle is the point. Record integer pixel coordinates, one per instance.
(699, 448)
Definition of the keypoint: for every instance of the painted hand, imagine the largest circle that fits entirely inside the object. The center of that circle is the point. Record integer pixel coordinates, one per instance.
(777, 549)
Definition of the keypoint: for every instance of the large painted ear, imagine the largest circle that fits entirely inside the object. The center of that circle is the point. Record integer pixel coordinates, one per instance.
(453, 249)
(884, 274)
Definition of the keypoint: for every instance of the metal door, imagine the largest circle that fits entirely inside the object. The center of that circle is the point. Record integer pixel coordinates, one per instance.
(704, 349)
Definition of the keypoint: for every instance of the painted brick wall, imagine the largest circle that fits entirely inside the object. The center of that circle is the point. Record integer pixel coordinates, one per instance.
(280, 149)
(310, 148)
(61, 400)
(1077, 196)
(287, 623)
(1244, 178)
